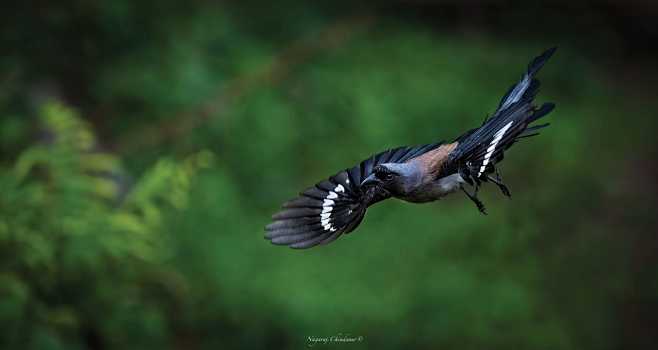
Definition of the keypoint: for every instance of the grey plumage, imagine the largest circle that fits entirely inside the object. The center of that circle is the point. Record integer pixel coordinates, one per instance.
(414, 174)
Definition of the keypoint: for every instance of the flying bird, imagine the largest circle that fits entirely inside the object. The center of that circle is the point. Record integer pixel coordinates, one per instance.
(415, 174)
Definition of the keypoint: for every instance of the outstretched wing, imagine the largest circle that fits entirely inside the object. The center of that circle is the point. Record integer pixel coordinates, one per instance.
(323, 212)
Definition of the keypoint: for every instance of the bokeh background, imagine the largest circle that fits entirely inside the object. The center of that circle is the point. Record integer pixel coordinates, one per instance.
(145, 144)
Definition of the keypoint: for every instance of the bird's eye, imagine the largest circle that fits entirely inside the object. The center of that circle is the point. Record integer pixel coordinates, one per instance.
(384, 176)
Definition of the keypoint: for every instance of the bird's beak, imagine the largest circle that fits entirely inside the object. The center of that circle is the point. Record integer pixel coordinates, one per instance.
(370, 180)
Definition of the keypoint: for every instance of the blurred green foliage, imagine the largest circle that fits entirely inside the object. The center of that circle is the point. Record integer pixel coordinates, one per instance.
(112, 235)
(72, 242)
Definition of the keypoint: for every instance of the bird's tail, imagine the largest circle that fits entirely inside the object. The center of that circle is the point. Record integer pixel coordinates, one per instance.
(480, 149)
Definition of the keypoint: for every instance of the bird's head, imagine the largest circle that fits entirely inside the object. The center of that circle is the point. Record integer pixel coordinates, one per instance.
(396, 178)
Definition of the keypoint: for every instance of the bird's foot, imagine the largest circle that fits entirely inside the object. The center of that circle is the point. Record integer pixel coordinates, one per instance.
(476, 200)
(499, 182)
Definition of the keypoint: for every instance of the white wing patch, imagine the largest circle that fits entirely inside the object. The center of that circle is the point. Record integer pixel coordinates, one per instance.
(328, 206)
(492, 146)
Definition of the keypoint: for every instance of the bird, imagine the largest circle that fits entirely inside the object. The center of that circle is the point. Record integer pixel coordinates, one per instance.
(417, 174)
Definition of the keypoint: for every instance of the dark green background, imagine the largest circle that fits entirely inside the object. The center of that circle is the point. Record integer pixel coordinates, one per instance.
(144, 145)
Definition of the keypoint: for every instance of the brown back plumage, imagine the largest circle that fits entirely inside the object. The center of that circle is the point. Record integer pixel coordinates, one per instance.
(433, 161)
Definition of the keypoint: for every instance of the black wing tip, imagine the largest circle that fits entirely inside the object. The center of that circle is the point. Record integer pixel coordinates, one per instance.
(302, 246)
(545, 108)
(549, 52)
(542, 111)
(289, 245)
(540, 60)
(304, 240)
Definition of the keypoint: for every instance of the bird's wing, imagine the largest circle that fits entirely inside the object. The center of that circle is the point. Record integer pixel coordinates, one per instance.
(323, 212)
(479, 149)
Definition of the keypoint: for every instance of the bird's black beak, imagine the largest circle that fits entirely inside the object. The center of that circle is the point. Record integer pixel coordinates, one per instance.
(370, 181)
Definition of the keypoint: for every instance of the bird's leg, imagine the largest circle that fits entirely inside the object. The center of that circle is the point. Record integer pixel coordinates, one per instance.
(499, 182)
(475, 199)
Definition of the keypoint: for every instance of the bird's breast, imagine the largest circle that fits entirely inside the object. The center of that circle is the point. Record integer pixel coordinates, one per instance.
(434, 190)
